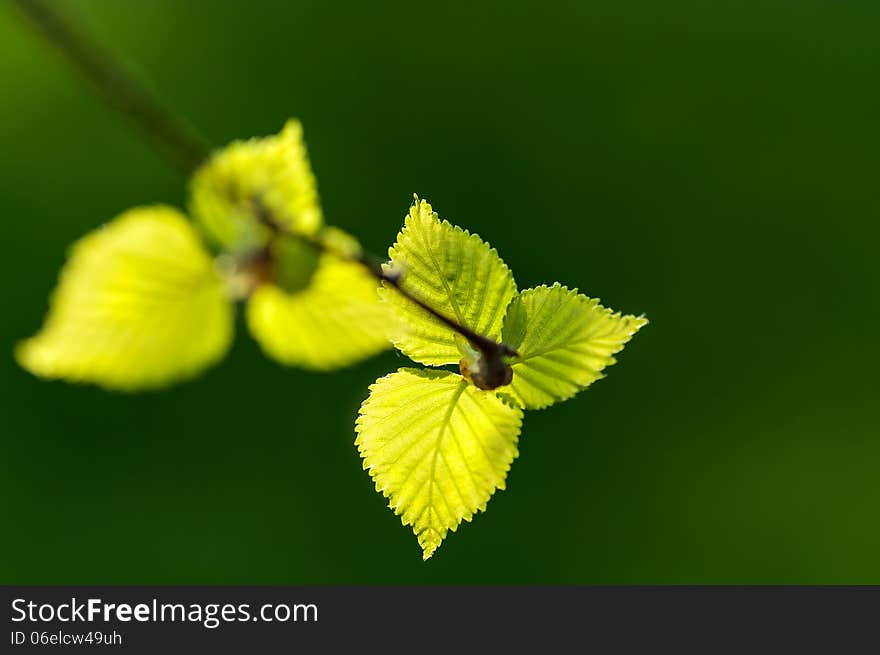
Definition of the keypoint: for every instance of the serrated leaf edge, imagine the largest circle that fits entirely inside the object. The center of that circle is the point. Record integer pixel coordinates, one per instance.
(639, 322)
(398, 511)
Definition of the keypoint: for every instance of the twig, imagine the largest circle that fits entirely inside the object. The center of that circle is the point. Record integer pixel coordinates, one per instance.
(485, 345)
(125, 94)
(117, 86)
(489, 347)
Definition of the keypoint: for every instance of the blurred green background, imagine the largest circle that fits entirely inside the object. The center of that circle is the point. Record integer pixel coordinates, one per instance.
(713, 165)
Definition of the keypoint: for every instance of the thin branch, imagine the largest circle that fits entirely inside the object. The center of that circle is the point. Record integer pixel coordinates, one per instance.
(118, 87)
(489, 347)
(121, 90)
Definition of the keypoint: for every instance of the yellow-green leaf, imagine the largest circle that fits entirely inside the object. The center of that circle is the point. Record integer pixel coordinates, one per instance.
(138, 305)
(437, 447)
(335, 320)
(250, 181)
(456, 273)
(564, 340)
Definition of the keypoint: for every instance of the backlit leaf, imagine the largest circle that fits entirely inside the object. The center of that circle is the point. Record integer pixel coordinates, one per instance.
(456, 273)
(564, 339)
(334, 320)
(246, 179)
(138, 305)
(437, 447)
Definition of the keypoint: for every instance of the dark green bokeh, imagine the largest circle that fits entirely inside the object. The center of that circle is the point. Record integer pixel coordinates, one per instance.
(713, 165)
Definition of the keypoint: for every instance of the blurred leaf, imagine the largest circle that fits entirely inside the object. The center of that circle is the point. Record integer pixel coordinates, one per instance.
(453, 271)
(270, 174)
(564, 340)
(437, 446)
(334, 321)
(340, 242)
(294, 263)
(138, 305)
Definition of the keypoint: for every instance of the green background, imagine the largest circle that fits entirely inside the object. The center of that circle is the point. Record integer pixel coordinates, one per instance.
(713, 165)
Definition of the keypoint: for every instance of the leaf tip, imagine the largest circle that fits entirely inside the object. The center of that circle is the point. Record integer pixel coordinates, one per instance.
(430, 541)
(23, 354)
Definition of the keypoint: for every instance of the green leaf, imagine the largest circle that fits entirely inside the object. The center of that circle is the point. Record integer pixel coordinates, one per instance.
(138, 305)
(270, 175)
(335, 320)
(564, 340)
(294, 263)
(437, 447)
(456, 273)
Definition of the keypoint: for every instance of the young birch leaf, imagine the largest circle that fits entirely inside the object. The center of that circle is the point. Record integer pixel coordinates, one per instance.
(437, 447)
(333, 320)
(272, 173)
(453, 271)
(138, 305)
(564, 340)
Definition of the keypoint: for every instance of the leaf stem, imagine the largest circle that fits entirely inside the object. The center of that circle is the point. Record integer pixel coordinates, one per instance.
(489, 347)
(121, 90)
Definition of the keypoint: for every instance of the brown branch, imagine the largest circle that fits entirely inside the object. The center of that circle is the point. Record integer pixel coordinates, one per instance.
(122, 92)
(117, 86)
(488, 347)
(485, 345)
